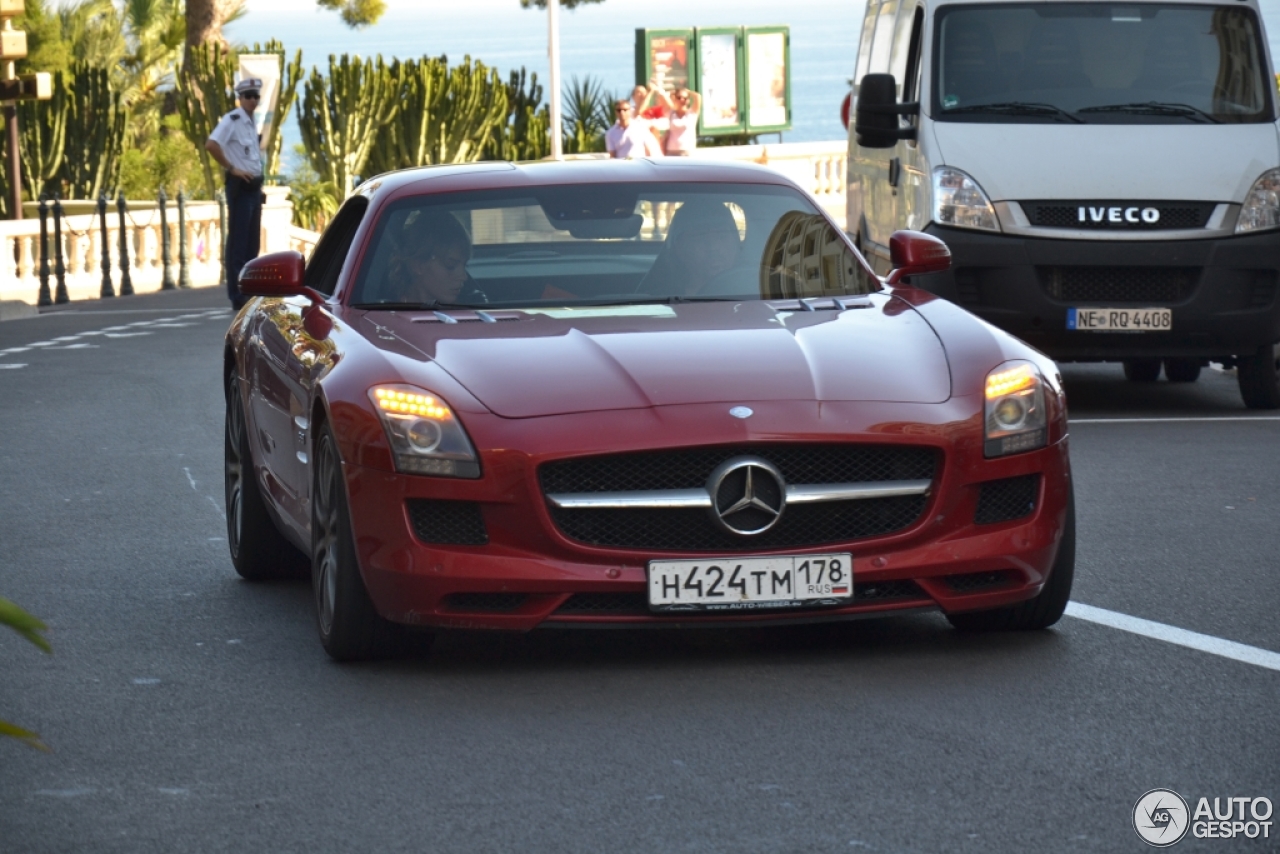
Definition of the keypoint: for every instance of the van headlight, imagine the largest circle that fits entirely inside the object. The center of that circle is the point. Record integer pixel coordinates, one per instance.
(1015, 416)
(959, 202)
(1261, 208)
(425, 435)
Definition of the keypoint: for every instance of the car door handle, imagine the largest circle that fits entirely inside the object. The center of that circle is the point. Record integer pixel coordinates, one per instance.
(895, 171)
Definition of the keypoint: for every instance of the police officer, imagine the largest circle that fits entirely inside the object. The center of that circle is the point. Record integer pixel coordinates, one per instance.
(234, 143)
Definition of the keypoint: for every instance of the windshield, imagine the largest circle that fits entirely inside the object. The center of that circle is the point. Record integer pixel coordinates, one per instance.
(1100, 63)
(606, 244)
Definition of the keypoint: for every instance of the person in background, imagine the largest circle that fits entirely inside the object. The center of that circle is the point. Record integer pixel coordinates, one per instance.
(683, 107)
(630, 136)
(234, 144)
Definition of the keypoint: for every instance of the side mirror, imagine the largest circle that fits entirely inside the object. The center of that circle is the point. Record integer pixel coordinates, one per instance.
(844, 110)
(914, 253)
(276, 275)
(876, 121)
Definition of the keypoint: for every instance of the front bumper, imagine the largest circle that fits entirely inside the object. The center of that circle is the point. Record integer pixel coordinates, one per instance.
(529, 575)
(1223, 292)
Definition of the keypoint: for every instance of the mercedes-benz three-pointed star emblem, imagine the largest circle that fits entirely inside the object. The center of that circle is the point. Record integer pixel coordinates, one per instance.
(748, 495)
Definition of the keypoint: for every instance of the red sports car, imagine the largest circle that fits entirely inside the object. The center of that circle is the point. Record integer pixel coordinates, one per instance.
(632, 394)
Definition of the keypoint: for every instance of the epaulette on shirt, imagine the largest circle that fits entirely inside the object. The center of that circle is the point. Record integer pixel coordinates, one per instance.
(235, 117)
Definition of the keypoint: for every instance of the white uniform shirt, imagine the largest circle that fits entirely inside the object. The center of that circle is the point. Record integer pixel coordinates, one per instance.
(238, 139)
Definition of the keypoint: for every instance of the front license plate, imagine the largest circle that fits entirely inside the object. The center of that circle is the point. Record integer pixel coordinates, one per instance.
(744, 584)
(1120, 319)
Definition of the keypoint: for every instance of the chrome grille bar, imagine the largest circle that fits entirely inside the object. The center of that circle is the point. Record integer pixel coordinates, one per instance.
(805, 493)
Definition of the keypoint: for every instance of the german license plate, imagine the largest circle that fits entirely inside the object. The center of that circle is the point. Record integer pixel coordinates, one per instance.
(744, 584)
(1120, 319)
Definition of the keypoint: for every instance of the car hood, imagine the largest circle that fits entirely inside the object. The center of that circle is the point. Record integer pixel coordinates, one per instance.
(558, 361)
(1017, 162)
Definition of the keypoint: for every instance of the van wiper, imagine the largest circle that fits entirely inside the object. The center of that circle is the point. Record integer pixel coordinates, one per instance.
(1016, 108)
(1156, 108)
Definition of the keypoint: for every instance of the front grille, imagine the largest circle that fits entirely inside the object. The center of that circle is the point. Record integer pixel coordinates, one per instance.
(974, 582)
(1118, 284)
(1172, 215)
(691, 529)
(454, 523)
(632, 604)
(689, 468)
(1007, 499)
(480, 603)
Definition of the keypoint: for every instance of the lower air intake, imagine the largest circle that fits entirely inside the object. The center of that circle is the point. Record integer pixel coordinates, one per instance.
(1007, 499)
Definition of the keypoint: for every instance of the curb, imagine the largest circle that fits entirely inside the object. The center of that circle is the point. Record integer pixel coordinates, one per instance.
(14, 309)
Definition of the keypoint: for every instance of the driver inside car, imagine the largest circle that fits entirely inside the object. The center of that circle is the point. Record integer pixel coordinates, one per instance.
(430, 265)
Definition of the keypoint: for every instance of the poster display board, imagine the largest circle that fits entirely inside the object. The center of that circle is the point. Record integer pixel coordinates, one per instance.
(768, 55)
(266, 67)
(742, 73)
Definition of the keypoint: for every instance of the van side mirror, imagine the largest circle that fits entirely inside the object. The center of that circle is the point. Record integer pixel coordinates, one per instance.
(914, 253)
(876, 123)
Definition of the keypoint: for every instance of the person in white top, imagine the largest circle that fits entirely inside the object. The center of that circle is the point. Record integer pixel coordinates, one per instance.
(683, 106)
(234, 144)
(630, 136)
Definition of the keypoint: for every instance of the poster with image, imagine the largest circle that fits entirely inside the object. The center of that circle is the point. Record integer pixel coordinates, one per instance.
(265, 67)
(669, 61)
(718, 80)
(767, 79)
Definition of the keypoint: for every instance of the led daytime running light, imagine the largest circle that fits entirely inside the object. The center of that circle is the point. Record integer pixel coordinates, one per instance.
(1007, 382)
(424, 406)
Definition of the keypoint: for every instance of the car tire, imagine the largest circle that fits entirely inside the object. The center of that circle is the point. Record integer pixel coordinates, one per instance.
(350, 627)
(1047, 607)
(1182, 370)
(1259, 378)
(259, 552)
(1142, 370)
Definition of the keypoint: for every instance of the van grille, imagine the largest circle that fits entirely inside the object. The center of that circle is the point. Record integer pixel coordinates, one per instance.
(1173, 215)
(1151, 285)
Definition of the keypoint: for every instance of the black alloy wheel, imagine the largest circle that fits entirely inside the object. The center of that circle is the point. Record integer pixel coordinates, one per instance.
(1182, 370)
(350, 627)
(1047, 607)
(1142, 370)
(259, 552)
(1259, 377)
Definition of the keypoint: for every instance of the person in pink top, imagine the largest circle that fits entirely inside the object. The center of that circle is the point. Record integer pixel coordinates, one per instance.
(683, 107)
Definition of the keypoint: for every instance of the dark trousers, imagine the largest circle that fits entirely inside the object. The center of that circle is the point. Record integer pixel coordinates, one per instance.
(244, 229)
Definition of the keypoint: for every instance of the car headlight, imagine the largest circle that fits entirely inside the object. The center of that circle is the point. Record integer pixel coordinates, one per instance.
(1261, 209)
(1015, 415)
(958, 201)
(425, 435)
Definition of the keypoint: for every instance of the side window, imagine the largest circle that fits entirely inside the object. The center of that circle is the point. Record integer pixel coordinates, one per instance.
(326, 259)
(906, 52)
(911, 72)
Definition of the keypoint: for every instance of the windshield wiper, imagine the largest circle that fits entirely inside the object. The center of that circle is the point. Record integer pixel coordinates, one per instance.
(1156, 108)
(1016, 108)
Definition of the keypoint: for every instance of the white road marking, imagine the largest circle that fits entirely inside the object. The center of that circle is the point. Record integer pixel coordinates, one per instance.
(1171, 634)
(218, 507)
(14, 350)
(191, 480)
(127, 334)
(13, 366)
(83, 345)
(1173, 420)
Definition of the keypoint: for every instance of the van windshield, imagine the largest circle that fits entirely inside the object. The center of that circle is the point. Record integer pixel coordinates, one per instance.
(1097, 63)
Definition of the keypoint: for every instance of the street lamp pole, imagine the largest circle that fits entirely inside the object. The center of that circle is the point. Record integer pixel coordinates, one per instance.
(11, 130)
(553, 51)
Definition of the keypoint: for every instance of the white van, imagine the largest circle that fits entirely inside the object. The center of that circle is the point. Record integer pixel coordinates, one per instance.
(1106, 174)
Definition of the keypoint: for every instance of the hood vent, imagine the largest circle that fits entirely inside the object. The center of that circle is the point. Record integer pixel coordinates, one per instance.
(820, 304)
(450, 317)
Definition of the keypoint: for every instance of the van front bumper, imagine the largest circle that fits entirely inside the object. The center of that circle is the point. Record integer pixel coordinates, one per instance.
(1222, 292)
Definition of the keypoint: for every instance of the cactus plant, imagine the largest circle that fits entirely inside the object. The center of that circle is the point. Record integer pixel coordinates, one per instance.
(447, 115)
(42, 138)
(524, 134)
(97, 118)
(340, 116)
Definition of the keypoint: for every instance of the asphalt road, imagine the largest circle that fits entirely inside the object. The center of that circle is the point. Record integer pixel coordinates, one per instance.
(190, 711)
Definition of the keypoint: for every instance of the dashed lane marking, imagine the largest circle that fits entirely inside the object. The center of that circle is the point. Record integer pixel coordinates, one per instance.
(11, 367)
(1174, 635)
